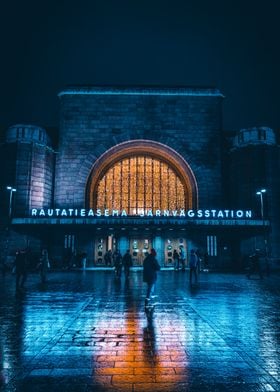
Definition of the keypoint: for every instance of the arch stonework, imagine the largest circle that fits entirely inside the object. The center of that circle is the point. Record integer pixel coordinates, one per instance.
(137, 147)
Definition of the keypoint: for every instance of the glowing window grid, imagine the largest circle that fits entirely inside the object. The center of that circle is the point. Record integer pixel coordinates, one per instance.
(138, 184)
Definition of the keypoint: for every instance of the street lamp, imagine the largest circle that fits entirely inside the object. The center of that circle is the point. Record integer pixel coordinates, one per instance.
(260, 193)
(11, 190)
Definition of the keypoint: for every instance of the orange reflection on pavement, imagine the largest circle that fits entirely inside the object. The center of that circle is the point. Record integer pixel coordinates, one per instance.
(139, 354)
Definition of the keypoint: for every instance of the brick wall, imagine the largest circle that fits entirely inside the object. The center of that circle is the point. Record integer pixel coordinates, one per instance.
(92, 123)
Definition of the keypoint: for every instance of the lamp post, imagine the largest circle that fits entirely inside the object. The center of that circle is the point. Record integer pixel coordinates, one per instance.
(260, 194)
(11, 190)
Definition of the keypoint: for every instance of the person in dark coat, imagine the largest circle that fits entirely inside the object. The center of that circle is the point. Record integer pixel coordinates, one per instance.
(255, 266)
(150, 268)
(176, 259)
(127, 263)
(193, 265)
(21, 268)
(182, 257)
(44, 265)
(117, 257)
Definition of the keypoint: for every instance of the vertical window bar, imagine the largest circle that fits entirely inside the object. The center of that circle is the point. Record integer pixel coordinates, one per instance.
(215, 245)
(105, 193)
(121, 186)
(136, 185)
(160, 185)
(128, 190)
(168, 189)
(153, 190)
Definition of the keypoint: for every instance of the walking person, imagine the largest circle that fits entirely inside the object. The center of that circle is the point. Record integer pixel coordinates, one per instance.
(108, 258)
(176, 259)
(206, 262)
(150, 268)
(182, 257)
(193, 265)
(44, 265)
(255, 266)
(127, 263)
(117, 257)
(21, 269)
(199, 261)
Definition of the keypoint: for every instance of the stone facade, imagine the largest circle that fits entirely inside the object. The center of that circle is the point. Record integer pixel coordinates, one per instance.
(255, 165)
(96, 122)
(92, 121)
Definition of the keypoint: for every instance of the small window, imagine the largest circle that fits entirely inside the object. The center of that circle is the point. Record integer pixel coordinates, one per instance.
(261, 134)
(212, 245)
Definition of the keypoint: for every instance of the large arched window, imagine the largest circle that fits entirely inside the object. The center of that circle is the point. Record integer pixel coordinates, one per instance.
(139, 176)
(140, 183)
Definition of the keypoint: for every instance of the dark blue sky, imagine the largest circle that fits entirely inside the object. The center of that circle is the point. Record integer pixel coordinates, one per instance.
(233, 45)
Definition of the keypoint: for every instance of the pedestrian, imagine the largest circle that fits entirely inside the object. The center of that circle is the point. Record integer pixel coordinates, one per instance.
(20, 269)
(150, 268)
(206, 261)
(199, 260)
(108, 258)
(182, 257)
(3, 266)
(127, 263)
(117, 258)
(255, 267)
(84, 260)
(44, 265)
(176, 259)
(193, 265)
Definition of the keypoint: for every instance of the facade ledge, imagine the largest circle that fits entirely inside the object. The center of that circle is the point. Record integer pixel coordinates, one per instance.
(131, 221)
(166, 91)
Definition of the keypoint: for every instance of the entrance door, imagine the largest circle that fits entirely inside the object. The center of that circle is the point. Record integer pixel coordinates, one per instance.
(139, 248)
(102, 244)
(170, 245)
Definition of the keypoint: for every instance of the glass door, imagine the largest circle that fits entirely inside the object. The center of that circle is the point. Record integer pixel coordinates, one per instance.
(139, 248)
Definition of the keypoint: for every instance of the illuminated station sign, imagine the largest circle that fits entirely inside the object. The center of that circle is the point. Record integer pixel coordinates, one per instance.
(181, 213)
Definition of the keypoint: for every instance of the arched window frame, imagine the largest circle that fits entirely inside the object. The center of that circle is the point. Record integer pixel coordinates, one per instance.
(148, 148)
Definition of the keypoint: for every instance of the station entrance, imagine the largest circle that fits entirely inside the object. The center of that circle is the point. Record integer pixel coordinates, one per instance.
(139, 248)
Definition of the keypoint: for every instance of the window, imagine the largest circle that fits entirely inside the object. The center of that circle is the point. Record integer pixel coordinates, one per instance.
(140, 183)
(212, 245)
(261, 134)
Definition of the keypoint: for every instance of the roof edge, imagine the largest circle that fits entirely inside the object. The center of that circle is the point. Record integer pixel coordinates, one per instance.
(167, 91)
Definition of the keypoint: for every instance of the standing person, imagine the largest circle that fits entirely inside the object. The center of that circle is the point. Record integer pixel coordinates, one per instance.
(84, 260)
(255, 267)
(44, 265)
(108, 258)
(193, 265)
(150, 268)
(3, 266)
(21, 269)
(127, 263)
(176, 259)
(199, 260)
(117, 257)
(206, 261)
(182, 257)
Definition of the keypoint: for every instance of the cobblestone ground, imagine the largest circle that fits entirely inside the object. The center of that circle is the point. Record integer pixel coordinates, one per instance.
(85, 331)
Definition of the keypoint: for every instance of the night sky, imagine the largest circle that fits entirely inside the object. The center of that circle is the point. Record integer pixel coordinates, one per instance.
(232, 45)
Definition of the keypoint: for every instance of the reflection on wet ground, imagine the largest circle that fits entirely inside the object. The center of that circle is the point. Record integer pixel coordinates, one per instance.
(85, 331)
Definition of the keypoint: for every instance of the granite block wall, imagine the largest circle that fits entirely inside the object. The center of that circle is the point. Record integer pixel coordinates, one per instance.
(189, 121)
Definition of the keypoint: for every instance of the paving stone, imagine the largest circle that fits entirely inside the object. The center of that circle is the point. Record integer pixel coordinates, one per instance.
(86, 332)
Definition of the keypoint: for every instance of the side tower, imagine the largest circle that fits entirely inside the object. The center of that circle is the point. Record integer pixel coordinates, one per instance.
(28, 162)
(254, 166)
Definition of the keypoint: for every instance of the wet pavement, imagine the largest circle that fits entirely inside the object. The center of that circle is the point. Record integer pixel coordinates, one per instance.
(85, 331)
